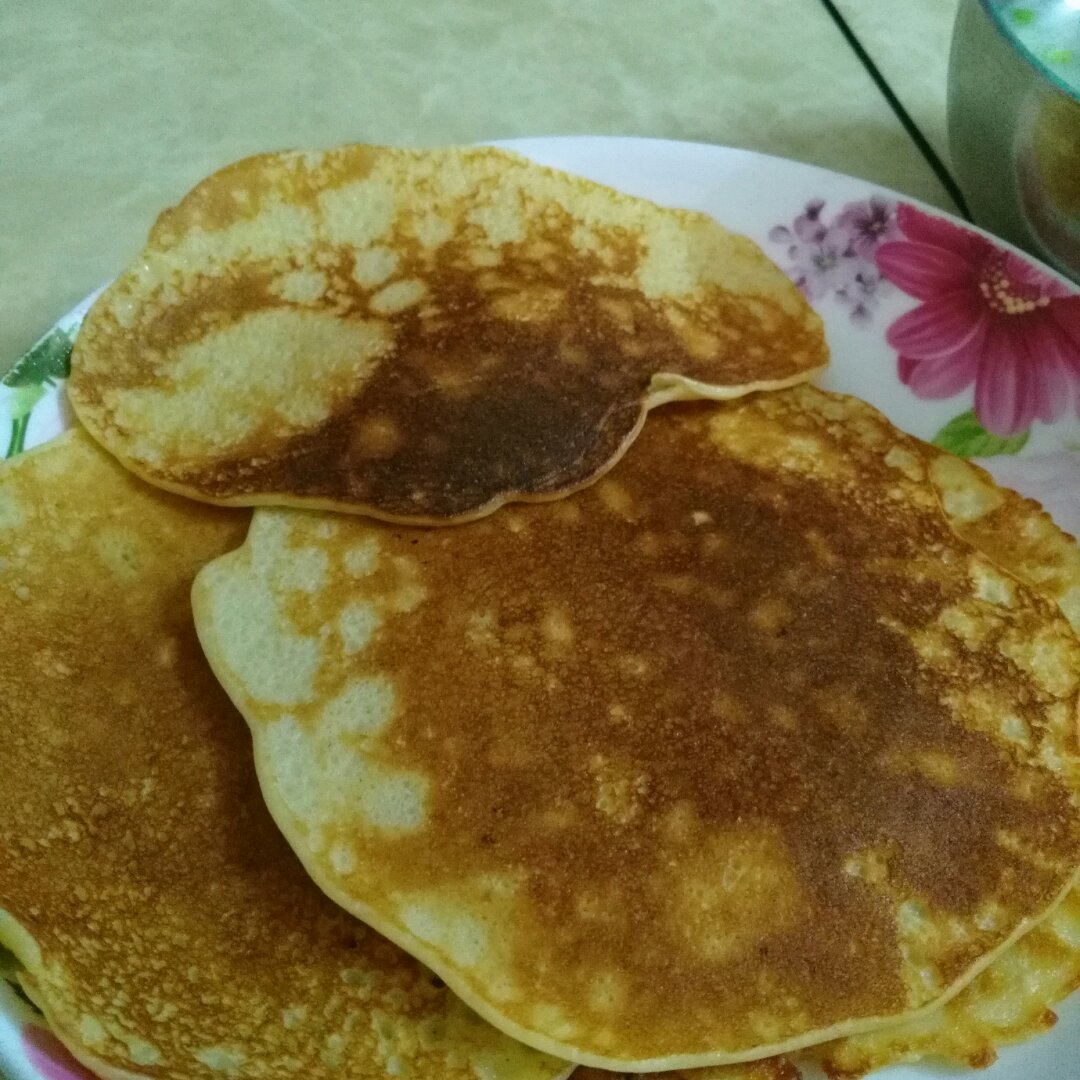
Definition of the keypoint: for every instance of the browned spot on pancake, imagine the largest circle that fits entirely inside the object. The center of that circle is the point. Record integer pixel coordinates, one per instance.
(1008, 1002)
(524, 380)
(376, 437)
(1012, 999)
(789, 764)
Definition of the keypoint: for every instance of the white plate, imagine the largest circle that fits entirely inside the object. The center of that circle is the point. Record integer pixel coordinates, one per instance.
(825, 229)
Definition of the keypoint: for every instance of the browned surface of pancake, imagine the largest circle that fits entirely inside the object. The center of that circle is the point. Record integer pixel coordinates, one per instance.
(1013, 999)
(166, 929)
(739, 749)
(419, 335)
(1008, 1002)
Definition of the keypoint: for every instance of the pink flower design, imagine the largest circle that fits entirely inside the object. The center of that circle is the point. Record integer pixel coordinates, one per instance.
(48, 1055)
(986, 317)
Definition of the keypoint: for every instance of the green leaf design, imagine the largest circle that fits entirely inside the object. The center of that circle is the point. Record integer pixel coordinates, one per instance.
(45, 363)
(21, 404)
(964, 436)
(9, 968)
(17, 438)
(22, 399)
(37, 369)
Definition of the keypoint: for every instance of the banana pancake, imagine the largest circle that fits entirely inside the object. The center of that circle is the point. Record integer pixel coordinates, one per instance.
(165, 928)
(739, 750)
(420, 335)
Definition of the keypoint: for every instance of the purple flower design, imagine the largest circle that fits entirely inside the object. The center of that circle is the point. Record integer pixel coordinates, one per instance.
(869, 224)
(837, 258)
(862, 295)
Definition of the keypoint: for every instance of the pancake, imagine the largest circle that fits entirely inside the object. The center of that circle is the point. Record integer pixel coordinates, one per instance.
(1013, 999)
(164, 926)
(420, 335)
(615, 768)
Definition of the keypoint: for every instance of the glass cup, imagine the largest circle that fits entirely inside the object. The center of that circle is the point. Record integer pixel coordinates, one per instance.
(1014, 122)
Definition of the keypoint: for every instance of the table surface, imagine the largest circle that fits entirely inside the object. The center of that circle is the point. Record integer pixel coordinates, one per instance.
(110, 111)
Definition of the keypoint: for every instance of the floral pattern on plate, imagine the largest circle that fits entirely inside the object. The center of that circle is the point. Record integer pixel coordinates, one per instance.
(33, 375)
(986, 318)
(837, 258)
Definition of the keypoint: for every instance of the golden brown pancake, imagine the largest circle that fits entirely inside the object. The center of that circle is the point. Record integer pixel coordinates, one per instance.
(420, 335)
(739, 750)
(1012, 999)
(165, 928)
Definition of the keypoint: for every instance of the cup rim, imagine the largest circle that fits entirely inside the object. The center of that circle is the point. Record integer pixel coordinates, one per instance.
(997, 17)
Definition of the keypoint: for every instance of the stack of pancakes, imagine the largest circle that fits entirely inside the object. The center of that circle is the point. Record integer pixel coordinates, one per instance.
(709, 740)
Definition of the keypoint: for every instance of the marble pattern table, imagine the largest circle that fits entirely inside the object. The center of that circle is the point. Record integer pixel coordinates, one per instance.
(111, 110)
